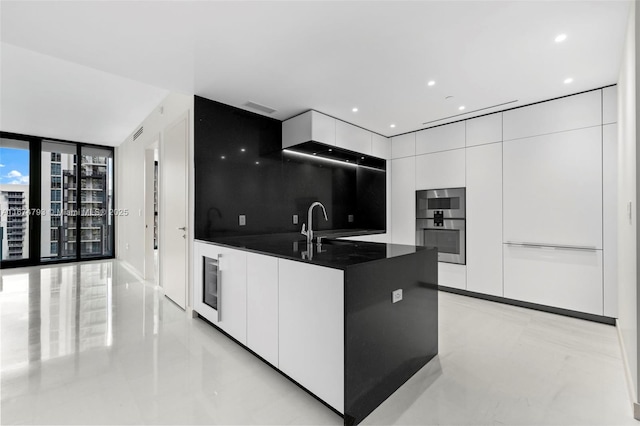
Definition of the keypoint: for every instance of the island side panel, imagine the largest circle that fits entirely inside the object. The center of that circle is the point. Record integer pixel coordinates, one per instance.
(386, 343)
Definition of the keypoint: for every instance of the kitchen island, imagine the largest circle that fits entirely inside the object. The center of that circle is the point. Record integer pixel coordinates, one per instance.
(348, 321)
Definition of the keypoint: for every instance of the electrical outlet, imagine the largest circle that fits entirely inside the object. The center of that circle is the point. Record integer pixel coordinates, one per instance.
(295, 219)
(242, 220)
(350, 218)
(126, 246)
(396, 295)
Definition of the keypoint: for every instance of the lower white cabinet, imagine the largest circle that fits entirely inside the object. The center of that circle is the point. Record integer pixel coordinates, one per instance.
(452, 275)
(563, 278)
(232, 301)
(311, 328)
(262, 306)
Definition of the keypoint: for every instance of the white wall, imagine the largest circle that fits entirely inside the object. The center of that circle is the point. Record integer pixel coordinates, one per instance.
(627, 186)
(130, 158)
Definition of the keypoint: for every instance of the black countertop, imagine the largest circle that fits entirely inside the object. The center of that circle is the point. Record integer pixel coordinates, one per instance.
(339, 254)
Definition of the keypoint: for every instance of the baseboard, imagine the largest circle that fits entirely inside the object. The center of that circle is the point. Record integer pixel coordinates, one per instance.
(627, 374)
(529, 305)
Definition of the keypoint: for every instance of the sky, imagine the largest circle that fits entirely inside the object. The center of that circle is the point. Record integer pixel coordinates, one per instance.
(14, 166)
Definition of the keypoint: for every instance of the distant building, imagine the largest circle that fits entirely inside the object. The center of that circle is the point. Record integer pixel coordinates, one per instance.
(14, 202)
(59, 198)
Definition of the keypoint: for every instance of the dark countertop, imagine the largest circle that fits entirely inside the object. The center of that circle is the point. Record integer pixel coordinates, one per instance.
(339, 254)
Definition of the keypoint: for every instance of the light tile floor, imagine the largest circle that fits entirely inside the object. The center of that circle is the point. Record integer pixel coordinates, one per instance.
(91, 344)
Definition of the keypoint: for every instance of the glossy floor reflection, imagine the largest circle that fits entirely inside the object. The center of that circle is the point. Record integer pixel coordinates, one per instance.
(92, 344)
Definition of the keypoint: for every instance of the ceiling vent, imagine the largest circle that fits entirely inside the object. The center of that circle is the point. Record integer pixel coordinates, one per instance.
(138, 132)
(471, 112)
(261, 108)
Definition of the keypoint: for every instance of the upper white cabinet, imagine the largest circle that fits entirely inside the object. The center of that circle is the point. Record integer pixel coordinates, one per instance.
(310, 126)
(441, 138)
(403, 200)
(262, 306)
(567, 279)
(483, 130)
(610, 105)
(380, 146)
(484, 219)
(572, 112)
(553, 189)
(440, 170)
(353, 138)
(311, 328)
(403, 145)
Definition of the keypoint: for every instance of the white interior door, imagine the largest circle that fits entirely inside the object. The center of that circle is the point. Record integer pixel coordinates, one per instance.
(173, 211)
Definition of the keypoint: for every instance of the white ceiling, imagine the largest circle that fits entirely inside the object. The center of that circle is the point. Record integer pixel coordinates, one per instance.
(329, 56)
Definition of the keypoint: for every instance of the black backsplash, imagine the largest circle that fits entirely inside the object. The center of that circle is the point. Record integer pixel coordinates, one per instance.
(269, 187)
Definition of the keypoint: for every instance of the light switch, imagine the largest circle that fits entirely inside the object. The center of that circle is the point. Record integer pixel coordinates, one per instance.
(295, 219)
(396, 296)
(242, 220)
(350, 218)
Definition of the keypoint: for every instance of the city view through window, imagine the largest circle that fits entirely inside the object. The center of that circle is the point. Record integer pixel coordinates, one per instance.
(76, 201)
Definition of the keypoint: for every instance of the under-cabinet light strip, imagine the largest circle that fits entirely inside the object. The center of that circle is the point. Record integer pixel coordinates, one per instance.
(317, 157)
(330, 160)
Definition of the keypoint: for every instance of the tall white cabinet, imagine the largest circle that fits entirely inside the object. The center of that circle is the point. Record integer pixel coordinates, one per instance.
(484, 219)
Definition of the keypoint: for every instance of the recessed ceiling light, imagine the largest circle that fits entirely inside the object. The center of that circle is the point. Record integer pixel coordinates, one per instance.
(362, 158)
(568, 80)
(314, 153)
(355, 110)
(431, 83)
(392, 126)
(242, 149)
(346, 161)
(257, 162)
(560, 38)
(330, 150)
(461, 107)
(223, 157)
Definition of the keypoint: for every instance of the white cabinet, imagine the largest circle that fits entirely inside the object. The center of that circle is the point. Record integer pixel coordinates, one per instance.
(441, 138)
(262, 306)
(403, 145)
(232, 304)
(553, 189)
(403, 200)
(452, 275)
(572, 112)
(440, 170)
(353, 138)
(380, 146)
(610, 105)
(311, 348)
(567, 279)
(484, 219)
(610, 218)
(483, 130)
(311, 125)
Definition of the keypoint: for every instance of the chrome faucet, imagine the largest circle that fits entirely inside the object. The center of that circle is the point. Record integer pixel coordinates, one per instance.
(309, 232)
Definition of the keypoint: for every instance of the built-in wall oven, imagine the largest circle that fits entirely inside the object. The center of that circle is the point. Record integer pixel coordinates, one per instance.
(440, 222)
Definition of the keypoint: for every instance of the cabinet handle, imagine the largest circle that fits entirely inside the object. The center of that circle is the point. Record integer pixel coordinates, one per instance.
(553, 246)
(219, 289)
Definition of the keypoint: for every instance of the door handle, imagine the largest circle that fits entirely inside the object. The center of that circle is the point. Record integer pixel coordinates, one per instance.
(184, 228)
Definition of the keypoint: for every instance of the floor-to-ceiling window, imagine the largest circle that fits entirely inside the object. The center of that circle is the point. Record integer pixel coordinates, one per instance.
(14, 199)
(56, 200)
